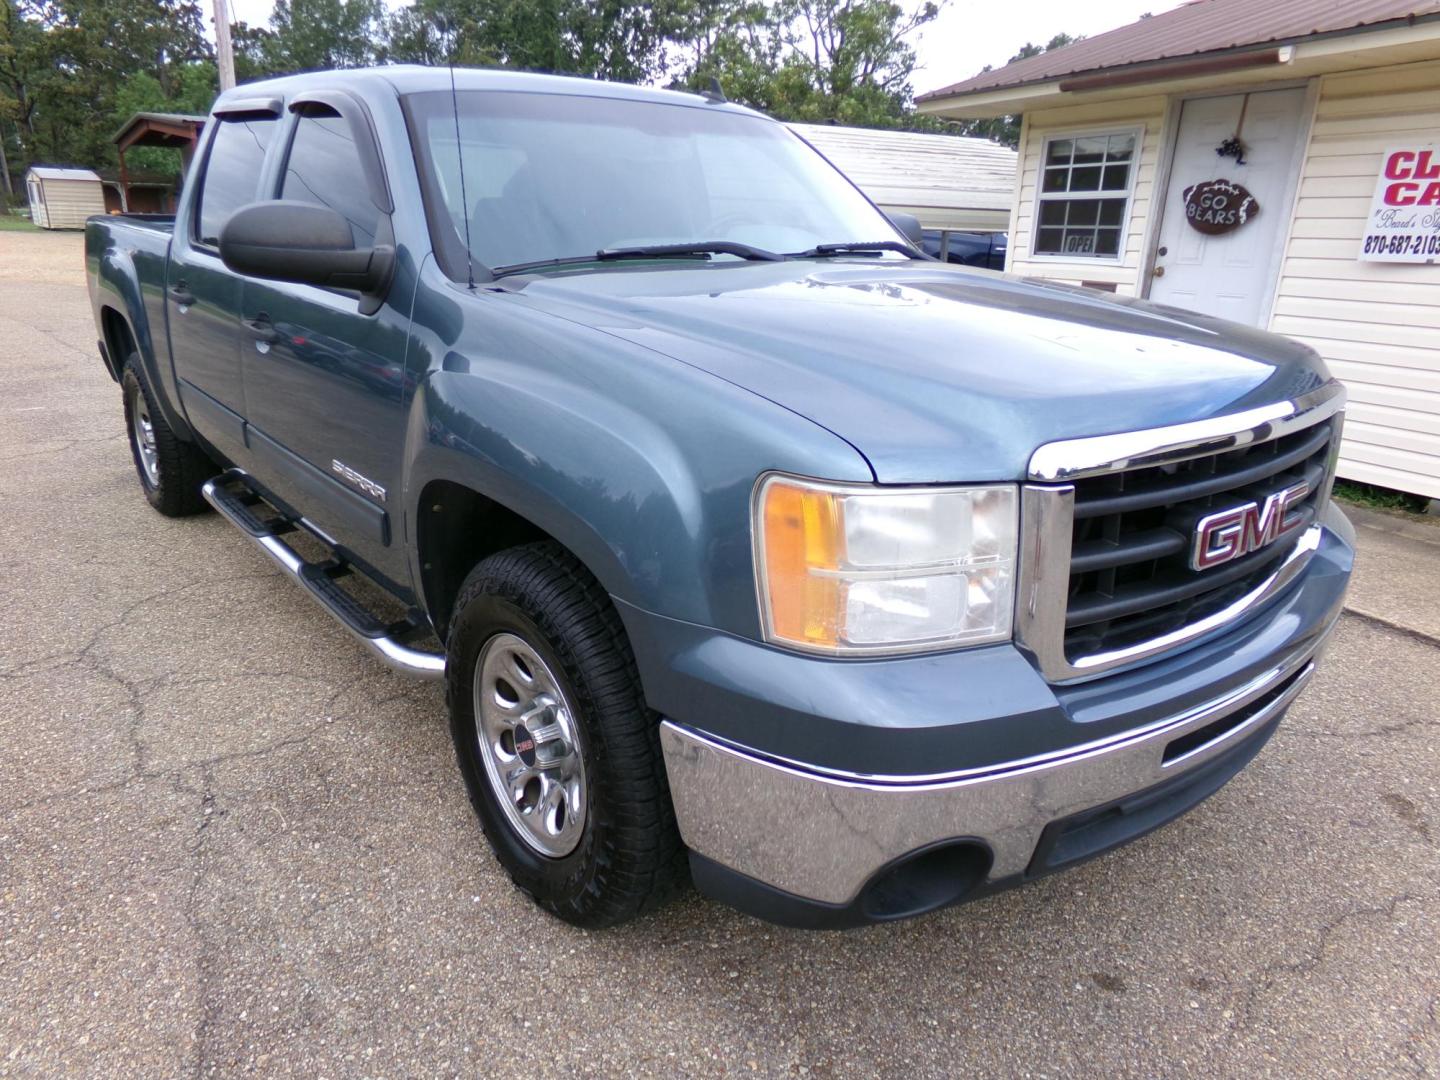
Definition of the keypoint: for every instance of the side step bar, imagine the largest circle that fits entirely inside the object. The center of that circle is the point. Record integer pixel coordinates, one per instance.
(319, 581)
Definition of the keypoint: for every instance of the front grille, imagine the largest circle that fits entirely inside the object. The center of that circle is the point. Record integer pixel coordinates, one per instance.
(1130, 575)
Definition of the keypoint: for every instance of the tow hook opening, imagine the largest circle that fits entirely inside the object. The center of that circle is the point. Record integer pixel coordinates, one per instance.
(926, 880)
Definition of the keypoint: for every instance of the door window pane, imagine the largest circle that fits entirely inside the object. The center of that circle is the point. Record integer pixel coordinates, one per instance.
(324, 168)
(231, 173)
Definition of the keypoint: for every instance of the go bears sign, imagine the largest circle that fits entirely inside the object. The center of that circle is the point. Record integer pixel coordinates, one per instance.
(1404, 221)
(1218, 206)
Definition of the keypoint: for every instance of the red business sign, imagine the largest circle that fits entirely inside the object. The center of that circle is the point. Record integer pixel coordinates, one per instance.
(1404, 221)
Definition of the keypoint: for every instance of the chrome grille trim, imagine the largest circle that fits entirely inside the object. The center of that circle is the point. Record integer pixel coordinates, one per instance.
(1047, 515)
(1072, 459)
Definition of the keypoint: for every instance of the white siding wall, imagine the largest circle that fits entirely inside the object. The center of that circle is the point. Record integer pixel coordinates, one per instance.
(1376, 324)
(1146, 113)
(69, 202)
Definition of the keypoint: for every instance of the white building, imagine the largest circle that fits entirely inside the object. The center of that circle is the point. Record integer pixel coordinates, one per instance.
(1128, 180)
(949, 183)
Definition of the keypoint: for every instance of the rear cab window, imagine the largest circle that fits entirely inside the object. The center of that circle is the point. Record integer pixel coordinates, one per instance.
(232, 171)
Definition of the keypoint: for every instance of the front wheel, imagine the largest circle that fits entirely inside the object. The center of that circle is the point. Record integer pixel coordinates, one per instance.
(559, 752)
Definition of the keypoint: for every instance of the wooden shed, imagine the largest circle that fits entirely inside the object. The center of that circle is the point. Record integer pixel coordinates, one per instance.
(62, 198)
(174, 131)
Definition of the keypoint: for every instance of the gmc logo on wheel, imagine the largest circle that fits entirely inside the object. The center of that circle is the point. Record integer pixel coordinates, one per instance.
(1240, 530)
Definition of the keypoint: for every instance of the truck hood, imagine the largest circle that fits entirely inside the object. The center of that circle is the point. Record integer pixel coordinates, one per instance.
(934, 372)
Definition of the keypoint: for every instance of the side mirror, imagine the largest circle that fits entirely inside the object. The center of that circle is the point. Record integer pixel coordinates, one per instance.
(301, 242)
(909, 225)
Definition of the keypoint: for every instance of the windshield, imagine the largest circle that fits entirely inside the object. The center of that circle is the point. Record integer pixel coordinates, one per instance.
(551, 176)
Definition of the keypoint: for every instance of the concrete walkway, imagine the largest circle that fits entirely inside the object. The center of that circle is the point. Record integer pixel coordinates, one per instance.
(1397, 572)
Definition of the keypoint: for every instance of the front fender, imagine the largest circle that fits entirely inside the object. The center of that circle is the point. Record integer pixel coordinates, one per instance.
(641, 466)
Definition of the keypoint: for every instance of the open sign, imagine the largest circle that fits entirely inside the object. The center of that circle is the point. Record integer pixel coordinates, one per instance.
(1219, 206)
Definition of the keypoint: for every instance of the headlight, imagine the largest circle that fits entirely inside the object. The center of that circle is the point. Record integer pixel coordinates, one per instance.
(854, 570)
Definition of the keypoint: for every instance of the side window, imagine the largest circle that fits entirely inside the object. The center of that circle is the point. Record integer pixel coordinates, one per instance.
(231, 173)
(324, 168)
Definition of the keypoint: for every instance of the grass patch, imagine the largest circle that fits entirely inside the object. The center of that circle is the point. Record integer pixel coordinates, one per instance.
(1380, 498)
(16, 223)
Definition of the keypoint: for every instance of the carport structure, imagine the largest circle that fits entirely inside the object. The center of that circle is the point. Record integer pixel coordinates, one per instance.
(175, 131)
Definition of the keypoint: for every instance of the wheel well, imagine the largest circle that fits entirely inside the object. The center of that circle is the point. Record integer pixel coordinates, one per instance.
(456, 528)
(119, 342)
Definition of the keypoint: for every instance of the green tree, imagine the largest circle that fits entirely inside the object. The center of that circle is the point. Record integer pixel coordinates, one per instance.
(1006, 129)
(606, 39)
(22, 68)
(848, 61)
(71, 57)
(194, 87)
(311, 35)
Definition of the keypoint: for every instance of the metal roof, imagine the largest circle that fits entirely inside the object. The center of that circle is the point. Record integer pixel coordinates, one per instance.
(61, 172)
(907, 168)
(178, 119)
(1200, 26)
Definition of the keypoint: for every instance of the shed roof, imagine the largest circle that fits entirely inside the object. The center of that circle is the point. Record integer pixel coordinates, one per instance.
(186, 120)
(1195, 28)
(63, 172)
(907, 168)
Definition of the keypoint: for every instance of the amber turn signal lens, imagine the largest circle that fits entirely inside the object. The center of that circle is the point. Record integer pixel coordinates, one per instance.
(862, 570)
(801, 533)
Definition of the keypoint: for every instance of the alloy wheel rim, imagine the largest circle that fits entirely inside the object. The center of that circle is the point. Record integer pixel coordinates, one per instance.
(142, 435)
(529, 743)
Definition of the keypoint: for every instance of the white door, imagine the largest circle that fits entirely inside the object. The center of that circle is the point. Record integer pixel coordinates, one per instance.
(37, 204)
(1230, 274)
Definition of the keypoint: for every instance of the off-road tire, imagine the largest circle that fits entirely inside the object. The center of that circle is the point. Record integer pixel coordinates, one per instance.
(629, 857)
(181, 467)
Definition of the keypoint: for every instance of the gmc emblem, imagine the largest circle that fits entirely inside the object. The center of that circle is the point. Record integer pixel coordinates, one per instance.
(1240, 530)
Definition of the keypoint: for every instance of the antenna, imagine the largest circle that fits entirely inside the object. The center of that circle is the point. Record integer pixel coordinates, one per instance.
(715, 95)
(460, 159)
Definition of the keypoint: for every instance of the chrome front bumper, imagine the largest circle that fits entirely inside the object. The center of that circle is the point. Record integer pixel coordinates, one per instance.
(822, 837)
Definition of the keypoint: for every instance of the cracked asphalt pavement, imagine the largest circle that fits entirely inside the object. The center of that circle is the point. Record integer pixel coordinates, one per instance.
(230, 844)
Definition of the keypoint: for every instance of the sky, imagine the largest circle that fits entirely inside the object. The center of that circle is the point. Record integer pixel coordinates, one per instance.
(968, 34)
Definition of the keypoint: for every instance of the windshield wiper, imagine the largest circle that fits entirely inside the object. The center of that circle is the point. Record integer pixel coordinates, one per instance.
(857, 247)
(699, 250)
(703, 247)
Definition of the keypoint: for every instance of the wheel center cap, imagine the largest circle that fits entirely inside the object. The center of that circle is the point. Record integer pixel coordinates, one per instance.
(525, 745)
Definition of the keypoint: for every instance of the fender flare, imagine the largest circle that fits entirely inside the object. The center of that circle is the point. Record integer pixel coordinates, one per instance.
(118, 291)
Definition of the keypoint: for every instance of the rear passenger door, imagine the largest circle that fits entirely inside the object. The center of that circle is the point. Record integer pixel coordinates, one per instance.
(324, 379)
(202, 297)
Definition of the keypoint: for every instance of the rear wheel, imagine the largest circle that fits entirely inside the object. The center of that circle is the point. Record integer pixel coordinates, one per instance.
(557, 747)
(170, 471)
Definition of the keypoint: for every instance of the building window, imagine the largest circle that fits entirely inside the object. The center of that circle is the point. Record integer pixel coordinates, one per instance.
(1085, 183)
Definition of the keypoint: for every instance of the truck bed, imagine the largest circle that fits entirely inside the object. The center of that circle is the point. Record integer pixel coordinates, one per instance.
(157, 223)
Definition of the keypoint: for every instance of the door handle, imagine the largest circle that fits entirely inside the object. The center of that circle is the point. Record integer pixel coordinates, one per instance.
(181, 295)
(1159, 271)
(261, 328)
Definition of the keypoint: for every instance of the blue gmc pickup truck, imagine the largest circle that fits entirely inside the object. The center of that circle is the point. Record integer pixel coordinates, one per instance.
(753, 545)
